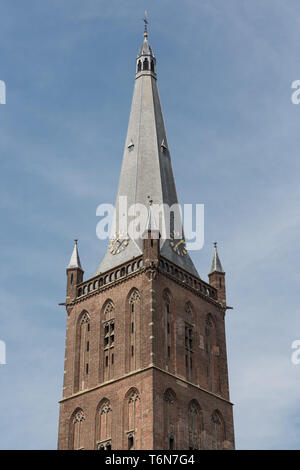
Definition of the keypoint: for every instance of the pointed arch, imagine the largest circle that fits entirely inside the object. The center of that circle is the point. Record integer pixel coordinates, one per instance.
(132, 418)
(167, 296)
(82, 351)
(170, 418)
(168, 329)
(107, 340)
(75, 429)
(218, 430)
(134, 296)
(103, 425)
(189, 309)
(212, 354)
(108, 309)
(195, 424)
(146, 64)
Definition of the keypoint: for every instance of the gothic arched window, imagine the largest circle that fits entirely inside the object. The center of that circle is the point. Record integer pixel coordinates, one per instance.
(188, 309)
(146, 64)
(75, 434)
(132, 415)
(170, 417)
(103, 425)
(152, 65)
(82, 351)
(132, 348)
(108, 339)
(188, 350)
(139, 68)
(218, 430)
(212, 352)
(168, 325)
(195, 424)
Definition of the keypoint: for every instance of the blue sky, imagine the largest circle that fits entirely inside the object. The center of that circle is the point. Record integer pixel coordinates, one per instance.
(224, 72)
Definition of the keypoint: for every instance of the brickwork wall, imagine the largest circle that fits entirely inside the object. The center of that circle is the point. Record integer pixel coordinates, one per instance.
(149, 356)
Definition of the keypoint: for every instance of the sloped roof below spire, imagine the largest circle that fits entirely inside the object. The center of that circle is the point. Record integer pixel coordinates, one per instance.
(146, 48)
(75, 260)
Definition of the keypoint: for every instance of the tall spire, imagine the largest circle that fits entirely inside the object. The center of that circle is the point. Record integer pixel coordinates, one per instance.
(75, 260)
(216, 265)
(146, 167)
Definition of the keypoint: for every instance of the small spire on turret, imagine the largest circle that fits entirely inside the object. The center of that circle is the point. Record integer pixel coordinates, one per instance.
(75, 260)
(216, 265)
(145, 59)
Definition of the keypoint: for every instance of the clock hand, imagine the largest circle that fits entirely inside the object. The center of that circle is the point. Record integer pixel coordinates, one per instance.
(179, 243)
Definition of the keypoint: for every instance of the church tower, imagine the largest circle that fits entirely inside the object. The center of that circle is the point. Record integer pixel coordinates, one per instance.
(145, 357)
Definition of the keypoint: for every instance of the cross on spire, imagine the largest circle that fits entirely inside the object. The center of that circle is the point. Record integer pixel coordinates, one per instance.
(146, 22)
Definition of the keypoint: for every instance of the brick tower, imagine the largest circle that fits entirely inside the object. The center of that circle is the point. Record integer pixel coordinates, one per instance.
(145, 358)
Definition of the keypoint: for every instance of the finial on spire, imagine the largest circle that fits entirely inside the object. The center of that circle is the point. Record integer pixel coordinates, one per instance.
(146, 24)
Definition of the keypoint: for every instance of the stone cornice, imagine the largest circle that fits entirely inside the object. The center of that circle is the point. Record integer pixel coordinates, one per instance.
(139, 371)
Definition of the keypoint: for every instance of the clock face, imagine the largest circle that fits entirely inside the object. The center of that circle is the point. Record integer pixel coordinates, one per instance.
(178, 245)
(118, 244)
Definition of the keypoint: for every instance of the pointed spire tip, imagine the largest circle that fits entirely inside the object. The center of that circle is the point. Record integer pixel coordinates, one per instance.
(216, 265)
(75, 260)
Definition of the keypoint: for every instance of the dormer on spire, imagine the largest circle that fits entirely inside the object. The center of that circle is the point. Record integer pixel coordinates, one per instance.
(151, 226)
(151, 241)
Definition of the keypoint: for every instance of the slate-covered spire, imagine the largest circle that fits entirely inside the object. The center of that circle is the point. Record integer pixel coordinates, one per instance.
(146, 167)
(216, 265)
(75, 260)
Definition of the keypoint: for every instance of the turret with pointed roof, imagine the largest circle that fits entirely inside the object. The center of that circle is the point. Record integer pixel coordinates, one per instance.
(74, 273)
(75, 260)
(216, 265)
(217, 276)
